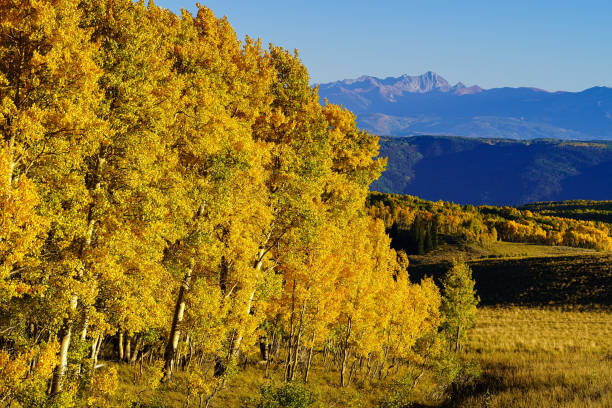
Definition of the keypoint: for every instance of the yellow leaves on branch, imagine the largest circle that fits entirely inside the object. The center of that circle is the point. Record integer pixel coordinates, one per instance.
(18, 376)
(161, 178)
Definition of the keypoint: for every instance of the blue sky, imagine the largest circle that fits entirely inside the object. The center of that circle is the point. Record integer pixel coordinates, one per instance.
(554, 45)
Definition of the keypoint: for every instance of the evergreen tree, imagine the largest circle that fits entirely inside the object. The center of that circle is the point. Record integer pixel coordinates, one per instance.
(434, 231)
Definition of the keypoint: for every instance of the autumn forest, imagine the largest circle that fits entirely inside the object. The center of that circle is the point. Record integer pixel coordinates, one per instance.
(180, 213)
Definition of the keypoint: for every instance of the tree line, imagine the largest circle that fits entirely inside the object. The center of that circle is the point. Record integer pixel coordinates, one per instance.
(417, 223)
(598, 211)
(170, 193)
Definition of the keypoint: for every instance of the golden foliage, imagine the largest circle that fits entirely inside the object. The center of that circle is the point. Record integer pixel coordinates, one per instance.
(169, 187)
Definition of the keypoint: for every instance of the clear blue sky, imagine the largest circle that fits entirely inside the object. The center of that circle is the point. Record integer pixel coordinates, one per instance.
(554, 45)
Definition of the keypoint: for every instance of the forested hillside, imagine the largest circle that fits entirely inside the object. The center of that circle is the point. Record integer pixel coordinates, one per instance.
(577, 209)
(496, 171)
(415, 225)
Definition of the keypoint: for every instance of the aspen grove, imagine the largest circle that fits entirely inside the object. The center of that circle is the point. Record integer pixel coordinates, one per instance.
(172, 195)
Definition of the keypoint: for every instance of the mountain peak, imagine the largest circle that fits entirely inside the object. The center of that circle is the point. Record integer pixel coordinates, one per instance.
(390, 88)
(428, 104)
(426, 82)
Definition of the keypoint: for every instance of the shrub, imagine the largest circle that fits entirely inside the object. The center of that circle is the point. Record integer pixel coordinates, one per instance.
(398, 394)
(290, 395)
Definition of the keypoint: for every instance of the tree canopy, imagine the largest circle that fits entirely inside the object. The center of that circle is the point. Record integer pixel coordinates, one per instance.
(182, 194)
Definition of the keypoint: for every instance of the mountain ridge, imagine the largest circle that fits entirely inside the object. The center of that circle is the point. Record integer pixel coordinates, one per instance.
(429, 104)
(427, 82)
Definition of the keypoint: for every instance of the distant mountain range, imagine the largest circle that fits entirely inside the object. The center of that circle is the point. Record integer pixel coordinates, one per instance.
(495, 171)
(428, 104)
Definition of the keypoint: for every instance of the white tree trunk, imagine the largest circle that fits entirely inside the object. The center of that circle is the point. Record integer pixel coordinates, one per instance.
(177, 320)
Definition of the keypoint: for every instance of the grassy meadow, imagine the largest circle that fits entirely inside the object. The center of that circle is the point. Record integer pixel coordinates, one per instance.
(472, 251)
(541, 357)
(529, 357)
(543, 335)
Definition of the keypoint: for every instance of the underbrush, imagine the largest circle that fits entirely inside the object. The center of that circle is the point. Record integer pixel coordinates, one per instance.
(404, 387)
(528, 357)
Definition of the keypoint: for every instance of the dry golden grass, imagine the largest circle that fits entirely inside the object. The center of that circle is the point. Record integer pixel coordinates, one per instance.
(513, 329)
(243, 391)
(473, 251)
(519, 250)
(536, 357)
(530, 357)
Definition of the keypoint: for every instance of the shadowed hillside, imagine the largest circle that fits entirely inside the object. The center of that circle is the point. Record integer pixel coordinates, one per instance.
(567, 280)
(576, 209)
(495, 171)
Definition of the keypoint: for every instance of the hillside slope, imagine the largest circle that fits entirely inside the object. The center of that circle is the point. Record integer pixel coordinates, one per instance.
(496, 171)
(577, 209)
(545, 281)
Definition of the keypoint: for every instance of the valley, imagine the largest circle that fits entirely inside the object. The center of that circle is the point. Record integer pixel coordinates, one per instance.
(543, 327)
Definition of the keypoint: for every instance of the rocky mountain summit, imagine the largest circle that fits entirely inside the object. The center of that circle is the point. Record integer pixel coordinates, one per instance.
(391, 87)
(429, 104)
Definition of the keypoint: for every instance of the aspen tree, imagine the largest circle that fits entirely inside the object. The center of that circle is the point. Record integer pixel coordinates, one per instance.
(138, 106)
(458, 303)
(293, 134)
(160, 178)
(47, 125)
(222, 205)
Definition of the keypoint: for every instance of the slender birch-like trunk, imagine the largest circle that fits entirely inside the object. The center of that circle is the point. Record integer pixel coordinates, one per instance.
(66, 331)
(120, 341)
(57, 381)
(85, 327)
(177, 320)
(297, 344)
(291, 336)
(345, 355)
(270, 354)
(137, 348)
(309, 361)
(95, 349)
(128, 348)
(94, 344)
(238, 339)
